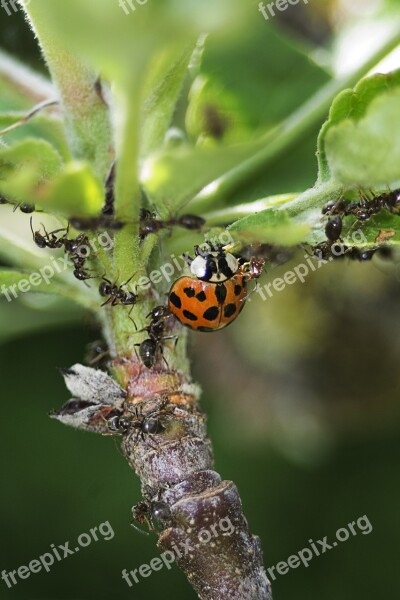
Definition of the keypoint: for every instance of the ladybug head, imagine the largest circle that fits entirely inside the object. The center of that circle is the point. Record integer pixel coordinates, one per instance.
(214, 266)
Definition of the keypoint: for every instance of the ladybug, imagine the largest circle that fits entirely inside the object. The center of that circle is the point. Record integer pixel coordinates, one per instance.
(215, 296)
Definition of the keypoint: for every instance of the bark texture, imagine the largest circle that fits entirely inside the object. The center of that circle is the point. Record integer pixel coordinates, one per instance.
(201, 522)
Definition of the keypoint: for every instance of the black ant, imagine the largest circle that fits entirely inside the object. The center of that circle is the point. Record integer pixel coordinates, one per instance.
(366, 208)
(143, 424)
(71, 247)
(333, 228)
(24, 207)
(80, 272)
(328, 251)
(116, 294)
(152, 346)
(146, 511)
(49, 240)
(149, 223)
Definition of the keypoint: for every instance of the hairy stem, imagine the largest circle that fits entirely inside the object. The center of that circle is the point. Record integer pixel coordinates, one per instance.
(86, 115)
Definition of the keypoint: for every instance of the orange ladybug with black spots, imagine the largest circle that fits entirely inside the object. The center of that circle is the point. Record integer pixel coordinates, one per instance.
(216, 295)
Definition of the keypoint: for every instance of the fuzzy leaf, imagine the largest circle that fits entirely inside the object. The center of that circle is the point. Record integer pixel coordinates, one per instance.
(25, 166)
(365, 152)
(172, 177)
(14, 284)
(92, 385)
(75, 191)
(133, 35)
(27, 281)
(269, 226)
(359, 133)
(43, 127)
(161, 91)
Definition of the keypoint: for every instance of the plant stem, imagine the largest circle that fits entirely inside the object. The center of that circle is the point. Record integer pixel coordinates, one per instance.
(285, 135)
(86, 115)
(24, 86)
(233, 213)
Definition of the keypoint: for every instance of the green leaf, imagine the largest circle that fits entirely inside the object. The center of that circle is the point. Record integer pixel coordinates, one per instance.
(75, 191)
(173, 176)
(161, 91)
(50, 129)
(14, 284)
(21, 87)
(133, 35)
(356, 145)
(382, 227)
(252, 81)
(367, 152)
(25, 166)
(269, 226)
(17, 249)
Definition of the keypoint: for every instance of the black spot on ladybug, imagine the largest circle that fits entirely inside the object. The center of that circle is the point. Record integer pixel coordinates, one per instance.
(238, 289)
(189, 315)
(229, 310)
(201, 296)
(211, 313)
(175, 300)
(220, 293)
(189, 291)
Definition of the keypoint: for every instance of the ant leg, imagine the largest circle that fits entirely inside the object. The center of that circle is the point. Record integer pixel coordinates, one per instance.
(107, 301)
(106, 280)
(188, 260)
(128, 280)
(142, 530)
(164, 359)
(129, 315)
(33, 233)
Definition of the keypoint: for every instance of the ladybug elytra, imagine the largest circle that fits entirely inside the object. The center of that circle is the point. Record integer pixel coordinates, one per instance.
(215, 296)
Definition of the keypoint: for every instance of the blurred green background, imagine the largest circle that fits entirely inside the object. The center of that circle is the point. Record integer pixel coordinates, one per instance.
(302, 397)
